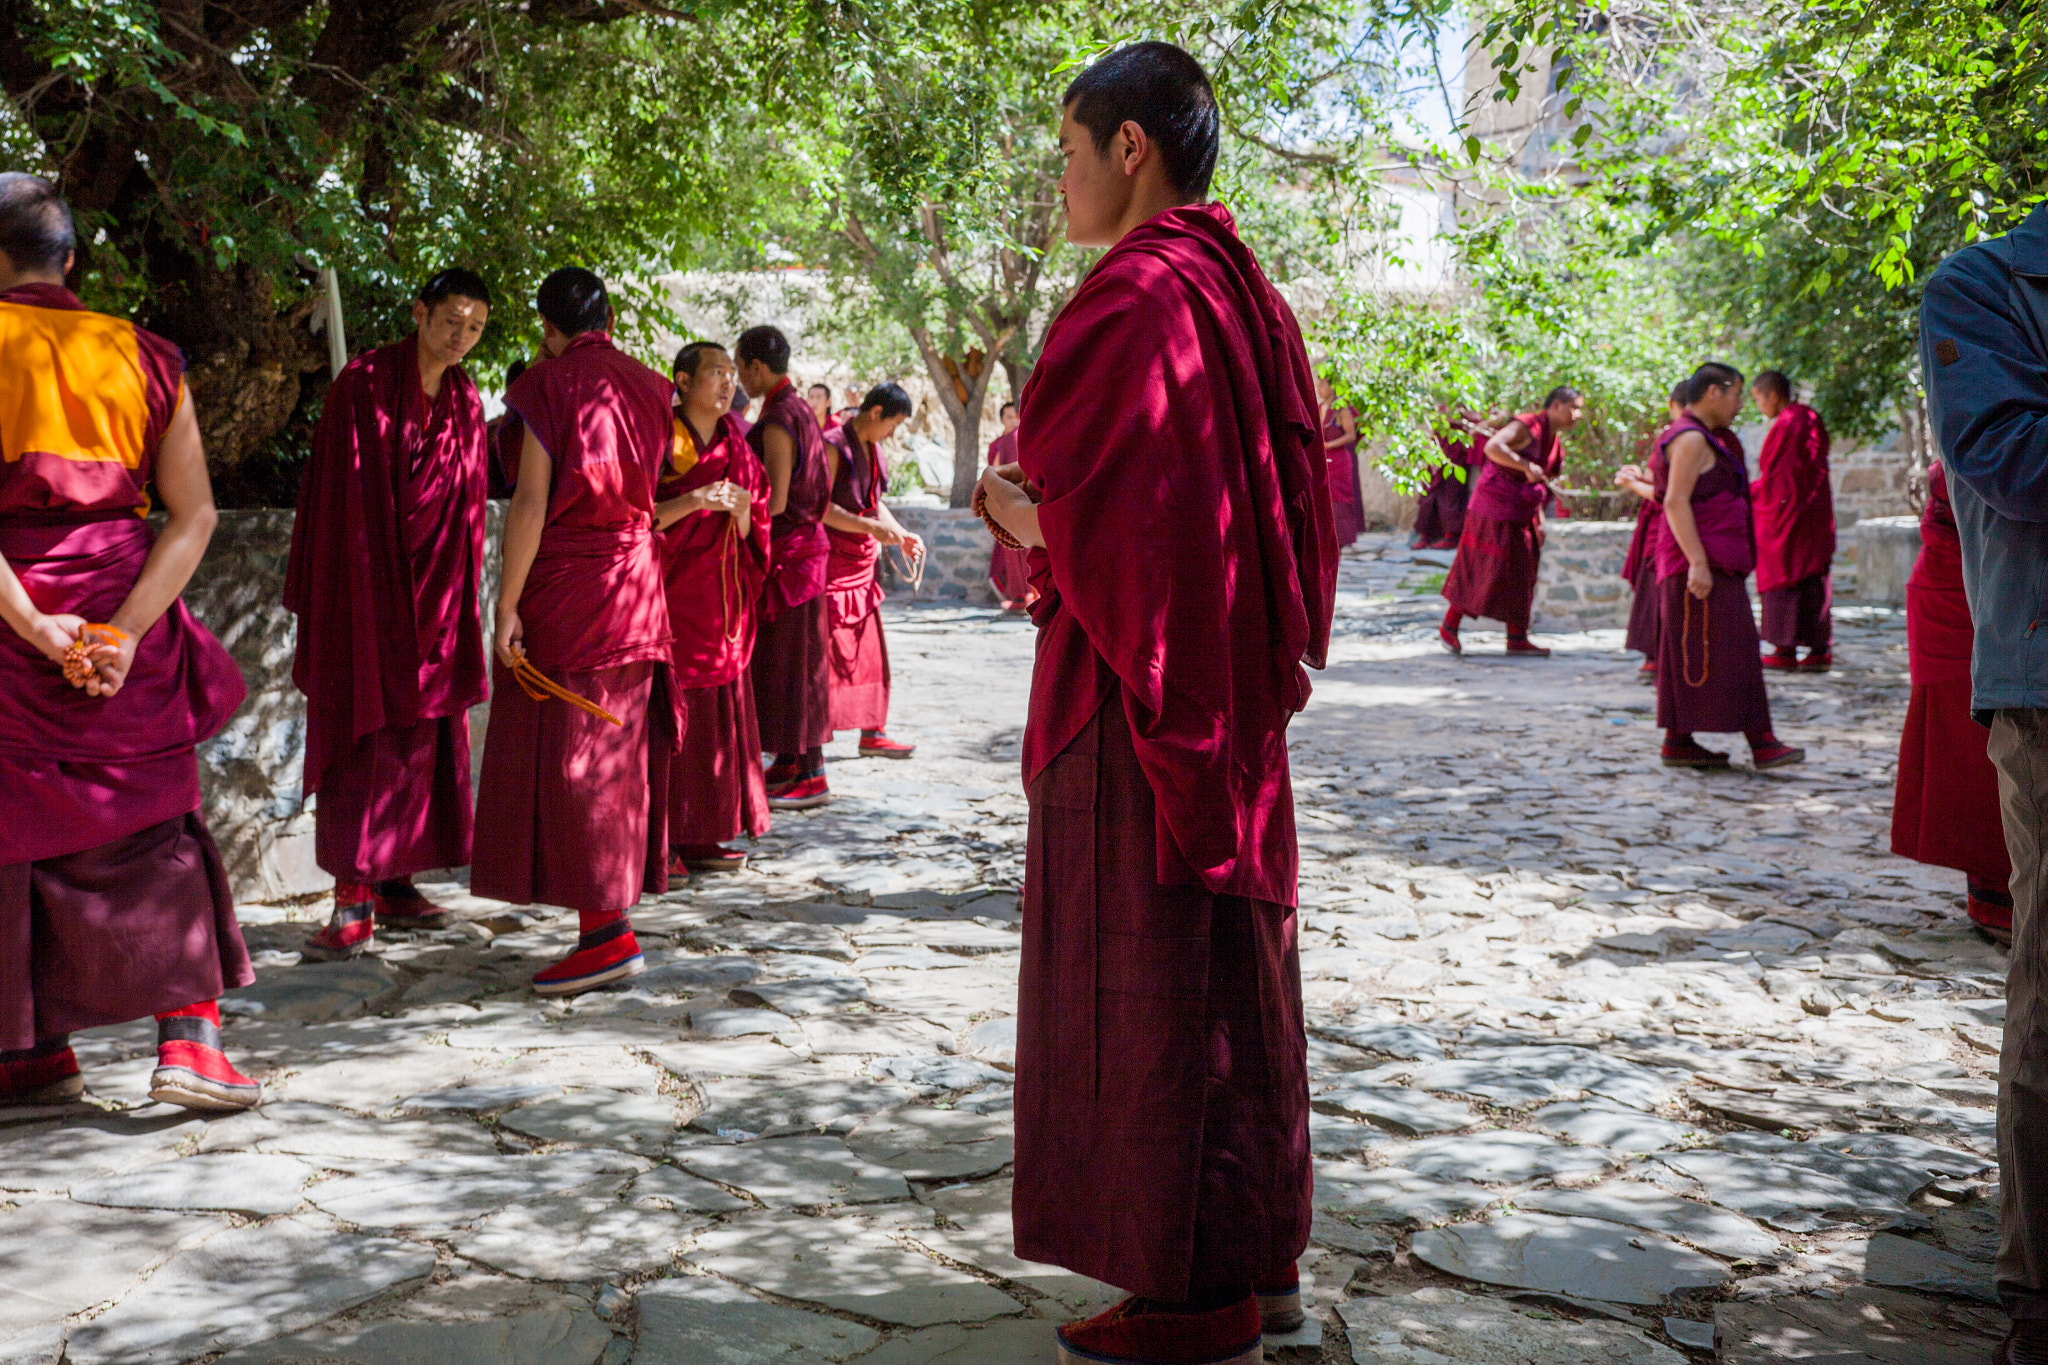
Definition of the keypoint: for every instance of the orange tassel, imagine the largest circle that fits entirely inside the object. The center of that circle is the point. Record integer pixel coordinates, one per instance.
(540, 687)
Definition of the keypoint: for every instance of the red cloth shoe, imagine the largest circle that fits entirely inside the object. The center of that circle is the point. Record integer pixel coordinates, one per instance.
(1523, 648)
(1817, 663)
(708, 858)
(806, 793)
(1447, 636)
(602, 956)
(1280, 1304)
(1775, 753)
(875, 744)
(678, 868)
(782, 774)
(349, 931)
(191, 1070)
(401, 906)
(1783, 657)
(1142, 1332)
(44, 1074)
(1990, 909)
(1687, 752)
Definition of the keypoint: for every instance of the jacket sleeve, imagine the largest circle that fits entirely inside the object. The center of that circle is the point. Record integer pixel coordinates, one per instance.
(1987, 384)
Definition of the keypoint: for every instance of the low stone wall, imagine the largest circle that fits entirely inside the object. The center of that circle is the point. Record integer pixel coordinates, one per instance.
(1885, 550)
(957, 547)
(1580, 586)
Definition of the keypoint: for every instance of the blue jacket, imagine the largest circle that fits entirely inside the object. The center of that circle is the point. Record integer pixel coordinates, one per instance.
(1984, 359)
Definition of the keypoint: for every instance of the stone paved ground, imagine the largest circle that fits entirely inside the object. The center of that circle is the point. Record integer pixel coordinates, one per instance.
(1605, 1059)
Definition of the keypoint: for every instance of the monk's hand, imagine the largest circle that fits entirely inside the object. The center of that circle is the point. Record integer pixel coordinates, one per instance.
(913, 545)
(111, 663)
(511, 641)
(1627, 474)
(1699, 581)
(54, 635)
(723, 496)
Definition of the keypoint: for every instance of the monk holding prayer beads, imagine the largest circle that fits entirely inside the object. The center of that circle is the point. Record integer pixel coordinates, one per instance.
(113, 901)
(1501, 546)
(860, 524)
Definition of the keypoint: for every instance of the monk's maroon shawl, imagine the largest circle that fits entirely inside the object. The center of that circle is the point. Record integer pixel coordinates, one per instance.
(595, 598)
(796, 573)
(851, 592)
(1189, 555)
(713, 575)
(1795, 507)
(1720, 502)
(1502, 494)
(386, 550)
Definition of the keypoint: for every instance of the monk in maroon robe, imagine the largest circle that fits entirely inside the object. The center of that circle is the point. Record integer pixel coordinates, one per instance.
(1501, 548)
(386, 551)
(860, 524)
(713, 511)
(1639, 566)
(1009, 571)
(1946, 812)
(1340, 448)
(1709, 675)
(1188, 565)
(113, 901)
(1440, 511)
(573, 809)
(791, 672)
(1795, 529)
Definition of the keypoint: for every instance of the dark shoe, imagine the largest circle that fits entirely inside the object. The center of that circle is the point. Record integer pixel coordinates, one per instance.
(1776, 754)
(1690, 753)
(709, 858)
(44, 1074)
(1524, 649)
(2026, 1344)
(1140, 1332)
(1817, 663)
(678, 868)
(1787, 659)
(349, 931)
(401, 906)
(1991, 911)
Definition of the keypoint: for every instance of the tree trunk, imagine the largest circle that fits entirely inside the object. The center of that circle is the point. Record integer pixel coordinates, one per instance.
(967, 440)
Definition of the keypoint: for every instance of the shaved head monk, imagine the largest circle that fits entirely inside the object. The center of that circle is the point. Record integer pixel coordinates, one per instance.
(791, 674)
(1709, 676)
(713, 514)
(1009, 571)
(860, 524)
(386, 552)
(1182, 539)
(1501, 546)
(574, 803)
(1795, 529)
(113, 902)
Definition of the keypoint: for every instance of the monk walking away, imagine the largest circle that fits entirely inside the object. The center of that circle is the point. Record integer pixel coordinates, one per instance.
(1340, 448)
(1501, 548)
(1008, 571)
(860, 524)
(1795, 529)
(386, 552)
(113, 901)
(1639, 565)
(1709, 674)
(713, 515)
(1162, 1089)
(574, 803)
(791, 673)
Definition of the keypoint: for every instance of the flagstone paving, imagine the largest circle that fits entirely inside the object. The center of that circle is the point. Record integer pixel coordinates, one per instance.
(1609, 1063)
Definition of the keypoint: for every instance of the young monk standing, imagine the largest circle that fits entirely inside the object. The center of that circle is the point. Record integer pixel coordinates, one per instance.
(1709, 675)
(860, 524)
(574, 804)
(113, 902)
(713, 512)
(1162, 1095)
(1340, 448)
(791, 674)
(386, 550)
(1008, 572)
(1501, 547)
(1639, 566)
(1795, 529)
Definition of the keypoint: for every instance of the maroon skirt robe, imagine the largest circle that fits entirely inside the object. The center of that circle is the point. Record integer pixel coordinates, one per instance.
(791, 671)
(717, 790)
(792, 678)
(1347, 501)
(860, 648)
(1645, 607)
(1795, 530)
(1799, 614)
(1501, 550)
(1440, 512)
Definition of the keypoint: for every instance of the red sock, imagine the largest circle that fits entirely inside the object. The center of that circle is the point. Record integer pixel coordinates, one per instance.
(589, 922)
(1453, 619)
(1760, 739)
(209, 1010)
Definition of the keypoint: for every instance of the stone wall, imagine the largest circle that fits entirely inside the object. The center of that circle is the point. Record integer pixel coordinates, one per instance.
(1885, 550)
(1872, 482)
(1579, 586)
(957, 546)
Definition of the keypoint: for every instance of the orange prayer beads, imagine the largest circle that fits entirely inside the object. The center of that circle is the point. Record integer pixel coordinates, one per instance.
(78, 661)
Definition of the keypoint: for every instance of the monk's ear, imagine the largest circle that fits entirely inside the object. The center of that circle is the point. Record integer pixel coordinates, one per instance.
(420, 313)
(1136, 145)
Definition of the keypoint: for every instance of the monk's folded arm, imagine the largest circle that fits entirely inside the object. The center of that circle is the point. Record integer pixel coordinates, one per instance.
(853, 523)
(23, 616)
(187, 495)
(778, 452)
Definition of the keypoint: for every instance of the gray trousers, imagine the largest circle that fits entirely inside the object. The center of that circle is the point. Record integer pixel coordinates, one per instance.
(2019, 749)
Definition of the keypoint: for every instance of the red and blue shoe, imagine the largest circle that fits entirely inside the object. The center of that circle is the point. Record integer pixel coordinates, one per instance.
(1990, 909)
(602, 956)
(44, 1074)
(875, 744)
(401, 906)
(191, 1070)
(1522, 647)
(806, 793)
(1145, 1332)
(349, 931)
(1817, 661)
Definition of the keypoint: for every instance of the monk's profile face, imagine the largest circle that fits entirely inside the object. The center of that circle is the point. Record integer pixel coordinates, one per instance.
(1010, 417)
(451, 329)
(1095, 186)
(1768, 402)
(1565, 416)
(1323, 390)
(712, 385)
(1722, 405)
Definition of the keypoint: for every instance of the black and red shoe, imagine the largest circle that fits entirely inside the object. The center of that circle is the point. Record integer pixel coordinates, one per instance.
(806, 793)
(1783, 657)
(44, 1074)
(1775, 753)
(1280, 1304)
(602, 956)
(708, 858)
(349, 930)
(1447, 636)
(1817, 661)
(1990, 909)
(401, 906)
(1522, 647)
(782, 774)
(678, 868)
(191, 1070)
(875, 744)
(1687, 752)
(1144, 1332)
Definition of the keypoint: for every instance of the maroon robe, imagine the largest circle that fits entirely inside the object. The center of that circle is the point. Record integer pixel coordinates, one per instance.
(790, 674)
(1946, 812)
(1639, 567)
(573, 811)
(1440, 512)
(1347, 504)
(860, 650)
(1501, 548)
(1009, 571)
(1188, 574)
(1795, 530)
(716, 788)
(386, 551)
(1709, 674)
(113, 902)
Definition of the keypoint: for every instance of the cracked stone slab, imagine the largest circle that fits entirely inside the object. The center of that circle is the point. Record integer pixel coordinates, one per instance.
(795, 1172)
(696, 1320)
(704, 1060)
(244, 1182)
(454, 1191)
(573, 1237)
(1389, 1194)
(723, 1021)
(1405, 1041)
(375, 1082)
(1861, 1327)
(879, 1034)
(1580, 1256)
(636, 1123)
(980, 1234)
(686, 975)
(1438, 1326)
(478, 1099)
(681, 1191)
(1789, 1106)
(317, 1130)
(1903, 1263)
(994, 1040)
(1603, 1123)
(815, 995)
(546, 1336)
(936, 1144)
(1525, 1075)
(50, 1157)
(823, 1261)
(1499, 1158)
(57, 1257)
(1397, 1107)
(1029, 1342)
(784, 1105)
(1768, 1178)
(242, 1286)
(938, 1073)
(315, 991)
(1645, 1206)
(754, 937)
